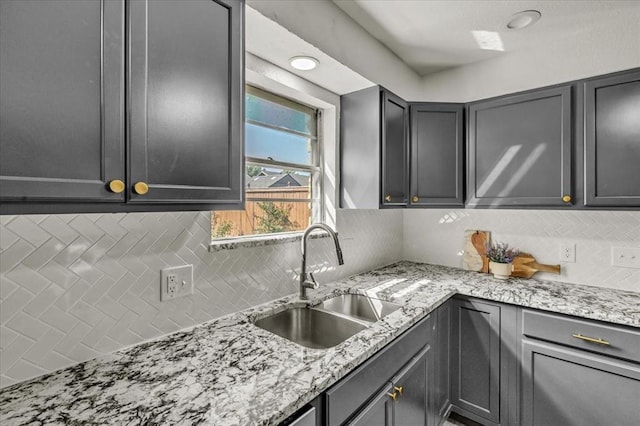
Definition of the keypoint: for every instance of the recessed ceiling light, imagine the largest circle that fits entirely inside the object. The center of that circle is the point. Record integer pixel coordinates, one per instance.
(523, 19)
(303, 63)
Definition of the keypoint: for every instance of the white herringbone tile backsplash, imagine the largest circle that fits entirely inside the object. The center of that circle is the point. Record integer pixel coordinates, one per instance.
(73, 287)
(436, 236)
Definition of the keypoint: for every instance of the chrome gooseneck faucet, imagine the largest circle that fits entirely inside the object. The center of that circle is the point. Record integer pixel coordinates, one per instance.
(306, 279)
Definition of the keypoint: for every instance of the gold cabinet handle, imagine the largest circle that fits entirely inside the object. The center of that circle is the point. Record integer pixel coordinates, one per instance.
(387, 198)
(141, 188)
(393, 396)
(415, 199)
(116, 186)
(591, 339)
(399, 389)
(566, 198)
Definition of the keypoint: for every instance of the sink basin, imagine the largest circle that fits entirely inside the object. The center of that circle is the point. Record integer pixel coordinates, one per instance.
(310, 328)
(359, 307)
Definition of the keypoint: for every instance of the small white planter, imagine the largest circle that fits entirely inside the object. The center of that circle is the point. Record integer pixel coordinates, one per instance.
(501, 271)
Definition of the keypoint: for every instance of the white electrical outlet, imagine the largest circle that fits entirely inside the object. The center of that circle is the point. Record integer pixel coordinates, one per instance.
(172, 284)
(568, 253)
(626, 257)
(176, 282)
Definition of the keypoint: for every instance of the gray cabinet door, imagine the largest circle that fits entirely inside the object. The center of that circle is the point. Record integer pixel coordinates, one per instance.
(442, 355)
(563, 386)
(411, 387)
(395, 150)
(612, 141)
(360, 149)
(520, 148)
(475, 369)
(61, 109)
(186, 101)
(437, 155)
(379, 412)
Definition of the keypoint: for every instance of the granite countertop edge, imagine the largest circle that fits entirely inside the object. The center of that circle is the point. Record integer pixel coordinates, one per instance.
(230, 372)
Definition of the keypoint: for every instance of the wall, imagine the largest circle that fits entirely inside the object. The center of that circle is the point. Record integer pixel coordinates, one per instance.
(73, 287)
(436, 236)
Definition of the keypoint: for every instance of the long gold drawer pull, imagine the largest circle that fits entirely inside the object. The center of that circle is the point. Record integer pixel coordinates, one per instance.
(393, 396)
(591, 339)
(399, 389)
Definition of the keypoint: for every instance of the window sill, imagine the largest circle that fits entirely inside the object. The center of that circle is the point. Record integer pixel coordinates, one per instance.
(260, 240)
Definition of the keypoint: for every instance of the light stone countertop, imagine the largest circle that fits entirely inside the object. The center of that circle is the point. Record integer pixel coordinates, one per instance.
(230, 372)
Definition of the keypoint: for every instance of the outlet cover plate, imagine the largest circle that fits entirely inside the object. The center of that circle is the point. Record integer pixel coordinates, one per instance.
(626, 257)
(567, 253)
(176, 282)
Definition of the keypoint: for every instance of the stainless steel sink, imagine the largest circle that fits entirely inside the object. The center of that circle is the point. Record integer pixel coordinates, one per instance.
(310, 327)
(359, 307)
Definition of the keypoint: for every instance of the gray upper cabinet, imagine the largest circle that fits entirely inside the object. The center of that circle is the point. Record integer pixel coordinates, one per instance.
(62, 103)
(520, 150)
(612, 140)
(186, 101)
(437, 155)
(65, 147)
(395, 150)
(373, 149)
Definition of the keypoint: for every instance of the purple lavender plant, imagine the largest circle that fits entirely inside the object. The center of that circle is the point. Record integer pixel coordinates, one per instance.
(501, 252)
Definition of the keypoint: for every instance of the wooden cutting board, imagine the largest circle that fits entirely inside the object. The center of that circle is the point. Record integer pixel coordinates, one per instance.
(475, 250)
(525, 265)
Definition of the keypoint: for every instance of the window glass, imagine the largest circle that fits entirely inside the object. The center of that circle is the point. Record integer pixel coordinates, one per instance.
(267, 143)
(282, 172)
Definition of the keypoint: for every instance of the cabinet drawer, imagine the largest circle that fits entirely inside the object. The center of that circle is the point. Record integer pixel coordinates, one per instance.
(344, 399)
(611, 340)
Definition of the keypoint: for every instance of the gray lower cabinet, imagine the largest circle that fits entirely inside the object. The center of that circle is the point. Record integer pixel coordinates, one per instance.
(565, 386)
(379, 412)
(392, 387)
(612, 140)
(482, 360)
(374, 149)
(307, 416)
(62, 104)
(437, 155)
(442, 362)
(64, 143)
(578, 372)
(404, 401)
(520, 150)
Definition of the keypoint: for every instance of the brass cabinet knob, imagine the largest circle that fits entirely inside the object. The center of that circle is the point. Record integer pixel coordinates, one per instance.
(393, 396)
(140, 188)
(387, 198)
(566, 198)
(399, 389)
(415, 199)
(116, 186)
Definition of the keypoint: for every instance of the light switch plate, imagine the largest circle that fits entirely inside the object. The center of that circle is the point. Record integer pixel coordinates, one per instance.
(176, 282)
(626, 257)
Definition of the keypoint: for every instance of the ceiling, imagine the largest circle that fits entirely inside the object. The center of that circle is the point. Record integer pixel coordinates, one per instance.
(432, 35)
(272, 42)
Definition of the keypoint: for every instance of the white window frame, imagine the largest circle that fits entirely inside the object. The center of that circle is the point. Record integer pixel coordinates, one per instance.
(270, 78)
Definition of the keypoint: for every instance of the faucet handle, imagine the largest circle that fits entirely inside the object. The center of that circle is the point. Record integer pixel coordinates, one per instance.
(310, 281)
